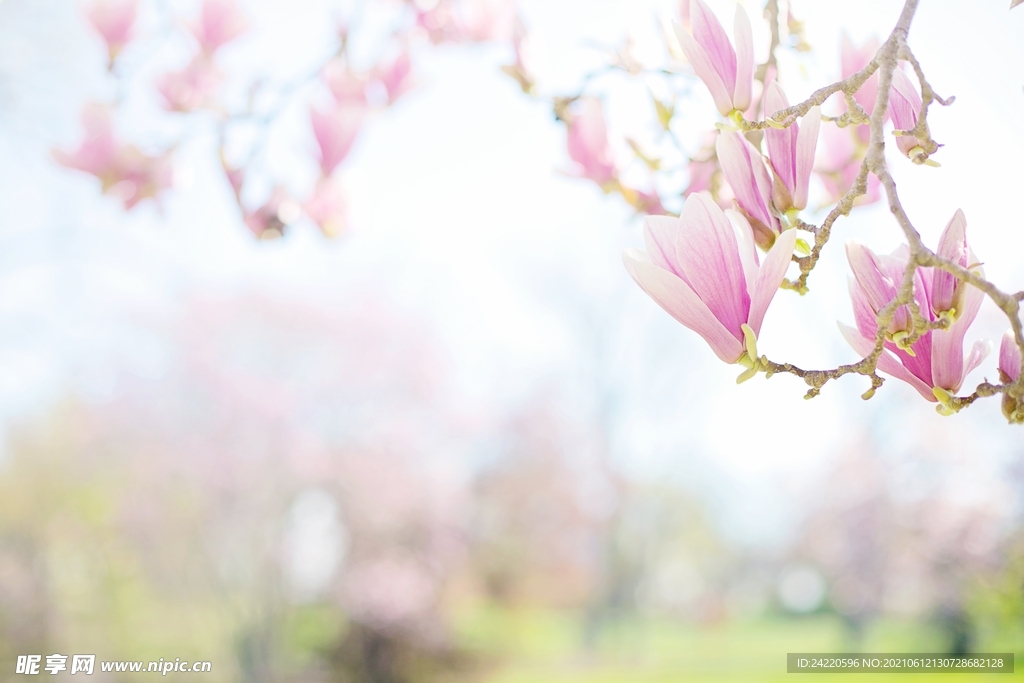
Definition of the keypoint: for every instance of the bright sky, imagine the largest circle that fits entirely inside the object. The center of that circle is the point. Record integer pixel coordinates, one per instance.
(459, 210)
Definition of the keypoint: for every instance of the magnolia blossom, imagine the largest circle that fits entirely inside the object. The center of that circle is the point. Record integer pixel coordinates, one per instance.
(123, 170)
(588, 143)
(335, 129)
(220, 22)
(1009, 358)
(791, 152)
(904, 108)
(327, 206)
(395, 76)
(270, 220)
(703, 269)
(747, 176)
(194, 87)
(347, 86)
(727, 72)
(1009, 371)
(935, 363)
(114, 20)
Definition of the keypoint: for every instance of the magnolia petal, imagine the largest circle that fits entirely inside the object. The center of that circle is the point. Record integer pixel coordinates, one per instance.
(705, 70)
(770, 276)
(905, 102)
(661, 237)
(952, 246)
(743, 34)
(1009, 357)
(781, 143)
(886, 362)
(683, 304)
(710, 262)
(948, 358)
(709, 33)
(871, 275)
(747, 176)
(979, 352)
(806, 144)
(747, 250)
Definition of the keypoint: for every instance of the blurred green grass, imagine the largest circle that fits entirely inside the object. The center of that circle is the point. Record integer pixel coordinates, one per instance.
(545, 646)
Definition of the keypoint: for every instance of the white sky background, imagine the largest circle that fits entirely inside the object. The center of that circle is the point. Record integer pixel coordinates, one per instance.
(459, 211)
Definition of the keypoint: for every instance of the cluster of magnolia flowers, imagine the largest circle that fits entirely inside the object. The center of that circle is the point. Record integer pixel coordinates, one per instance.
(345, 99)
(704, 269)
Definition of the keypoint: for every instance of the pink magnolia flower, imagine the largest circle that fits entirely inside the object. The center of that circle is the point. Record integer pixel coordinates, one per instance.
(123, 170)
(904, 108)
(935, 363)
(335, 129)
(790, 152)
(1009, 358)
(702, 268)
(220, 22)
(588, 143)
(747, 176)
(327, 207)
(114, 20)
(1009, 371)
(728, 73)
(194, 87)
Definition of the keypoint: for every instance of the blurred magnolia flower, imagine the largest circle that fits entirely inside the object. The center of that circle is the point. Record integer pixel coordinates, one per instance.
(191, 88)
(327, 206)
(588, 143)
(395, 75)
(347, 86)
(840, 161)
(270, 220)
(935, 363)
(335, 129)
(746, 174)
(521, 69)
(727, 72)
(219, 22)
(702, 268)
(852, 60)
(790, 152)
(123, 170)
(114, 20)
(472, 20)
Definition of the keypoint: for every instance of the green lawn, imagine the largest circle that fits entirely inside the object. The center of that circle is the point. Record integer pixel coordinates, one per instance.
(534, 646)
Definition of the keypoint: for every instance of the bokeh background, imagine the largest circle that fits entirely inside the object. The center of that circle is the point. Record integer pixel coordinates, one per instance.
(457, 443)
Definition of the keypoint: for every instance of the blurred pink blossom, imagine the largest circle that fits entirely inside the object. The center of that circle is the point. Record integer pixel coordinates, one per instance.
(327, 207)
(272, 217)
(853, 59)
(123, 170)
(588, 143)
(395, 76)
(191, 88)
(335, 129)
(728, 73)
(746, 174)
(703, 269)
(114, 20)
(219, 22)
(790, 152)
(347, 86)
(840, 163)
(393, 592)
(935, 363)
